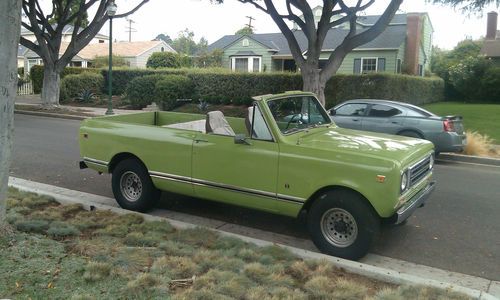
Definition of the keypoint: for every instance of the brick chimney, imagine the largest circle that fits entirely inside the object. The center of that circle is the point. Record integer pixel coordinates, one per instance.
(491, 27)
(413, 37)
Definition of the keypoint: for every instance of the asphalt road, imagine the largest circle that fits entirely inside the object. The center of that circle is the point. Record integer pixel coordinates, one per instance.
(458, 230)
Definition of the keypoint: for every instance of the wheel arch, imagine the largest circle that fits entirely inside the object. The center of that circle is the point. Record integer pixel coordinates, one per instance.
(315, 197)
(415, 130)
(119, 157)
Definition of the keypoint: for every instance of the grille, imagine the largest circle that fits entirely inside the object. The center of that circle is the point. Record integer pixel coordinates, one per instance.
(419, 170)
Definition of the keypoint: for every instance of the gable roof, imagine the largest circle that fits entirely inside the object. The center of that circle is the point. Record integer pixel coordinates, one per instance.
(391, 38)
(67, 30)
(21, 50)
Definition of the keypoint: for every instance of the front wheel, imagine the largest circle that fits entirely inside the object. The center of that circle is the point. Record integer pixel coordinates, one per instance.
(343, 224)
(132, 186)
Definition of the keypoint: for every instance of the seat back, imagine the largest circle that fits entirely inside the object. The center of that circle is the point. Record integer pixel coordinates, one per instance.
(216, 123)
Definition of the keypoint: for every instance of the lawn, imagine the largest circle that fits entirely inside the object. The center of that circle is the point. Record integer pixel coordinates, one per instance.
(64, 252)
(483, 118)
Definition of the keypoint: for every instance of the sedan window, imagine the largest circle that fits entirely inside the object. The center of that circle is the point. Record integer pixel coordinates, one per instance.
(383, 111)
(353, 109)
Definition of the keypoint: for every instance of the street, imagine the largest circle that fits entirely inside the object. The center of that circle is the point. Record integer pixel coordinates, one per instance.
(458, 230)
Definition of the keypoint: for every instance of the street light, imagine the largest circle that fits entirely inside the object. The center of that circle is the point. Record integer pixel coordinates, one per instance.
(111, 11)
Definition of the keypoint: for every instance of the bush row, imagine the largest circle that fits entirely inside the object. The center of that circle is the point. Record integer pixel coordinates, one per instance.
(220, 86)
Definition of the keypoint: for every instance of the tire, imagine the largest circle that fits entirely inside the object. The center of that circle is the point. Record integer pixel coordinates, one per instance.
(132, 186)
(329, 220)
(410, 133)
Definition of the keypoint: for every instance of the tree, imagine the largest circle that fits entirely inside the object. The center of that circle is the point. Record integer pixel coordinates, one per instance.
(49, 37)
(334, 13)
(184, 43)
(210, 60)
(9, 31)
(467, 5)
(73, 7)
(245, 30)
(163, 37)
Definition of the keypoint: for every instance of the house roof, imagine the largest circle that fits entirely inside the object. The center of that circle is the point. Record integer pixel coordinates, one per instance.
(21, 50)
(391, 38)
(68, 29)
(491, 48)
(125, 49)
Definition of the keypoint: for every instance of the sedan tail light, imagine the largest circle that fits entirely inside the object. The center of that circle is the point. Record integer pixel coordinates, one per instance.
(448, 125)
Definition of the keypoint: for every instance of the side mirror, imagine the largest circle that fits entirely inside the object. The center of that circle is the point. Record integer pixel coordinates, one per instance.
(241, 139)
(332, 112)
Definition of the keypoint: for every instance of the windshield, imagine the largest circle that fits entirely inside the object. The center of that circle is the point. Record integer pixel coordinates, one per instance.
(295, 113)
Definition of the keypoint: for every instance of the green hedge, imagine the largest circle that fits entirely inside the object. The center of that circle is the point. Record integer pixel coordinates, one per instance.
(141, 90)
(173, 87)
(74, 85)
(36, 75)
(410, 89)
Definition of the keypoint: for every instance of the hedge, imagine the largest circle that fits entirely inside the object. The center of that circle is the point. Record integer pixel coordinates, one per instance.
(141, 90)
(74, 85)
(36, 75)
(405, 88)
(173, 87)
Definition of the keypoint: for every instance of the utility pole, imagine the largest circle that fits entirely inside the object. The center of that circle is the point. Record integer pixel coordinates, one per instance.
(250, 19)
(130, 29)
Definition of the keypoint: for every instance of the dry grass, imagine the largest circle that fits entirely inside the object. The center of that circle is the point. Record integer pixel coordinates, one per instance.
(480, 145)
(103, 255)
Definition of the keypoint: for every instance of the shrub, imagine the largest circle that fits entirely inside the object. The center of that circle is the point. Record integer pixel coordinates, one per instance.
(20, 72)
(36, 75)
(141, 90)
(164, 60)
(466, 76)
(173, 87)
(74, 85)
(490, 85)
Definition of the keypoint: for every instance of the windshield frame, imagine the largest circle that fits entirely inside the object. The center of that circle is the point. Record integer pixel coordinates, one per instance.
(321, 109)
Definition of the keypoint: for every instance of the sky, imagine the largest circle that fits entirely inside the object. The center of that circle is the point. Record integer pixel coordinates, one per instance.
(213, 21)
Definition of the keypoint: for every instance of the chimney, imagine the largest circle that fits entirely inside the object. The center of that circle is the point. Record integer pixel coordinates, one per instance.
(491, 27)
(413, 37)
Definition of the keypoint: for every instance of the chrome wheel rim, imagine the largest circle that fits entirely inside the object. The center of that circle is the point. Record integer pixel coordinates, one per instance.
(131, 186)
(339, 227)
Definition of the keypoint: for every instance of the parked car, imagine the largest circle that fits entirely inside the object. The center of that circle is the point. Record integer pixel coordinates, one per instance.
(446, 133)
(286, 157)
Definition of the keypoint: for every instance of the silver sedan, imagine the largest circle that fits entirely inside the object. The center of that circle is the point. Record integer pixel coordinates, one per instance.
(447, 133)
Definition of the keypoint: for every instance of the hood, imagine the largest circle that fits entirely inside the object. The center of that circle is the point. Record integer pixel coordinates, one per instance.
(392, 147)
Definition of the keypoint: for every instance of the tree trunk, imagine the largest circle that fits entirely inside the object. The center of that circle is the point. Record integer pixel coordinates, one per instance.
(10, 25)
(312, 83)
(50, 88)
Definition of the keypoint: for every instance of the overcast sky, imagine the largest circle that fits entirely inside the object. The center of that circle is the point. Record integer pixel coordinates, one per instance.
(214, 21)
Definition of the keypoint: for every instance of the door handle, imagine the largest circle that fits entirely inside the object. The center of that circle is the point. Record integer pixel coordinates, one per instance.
(355, 120)
(395, 122)
(200, 141)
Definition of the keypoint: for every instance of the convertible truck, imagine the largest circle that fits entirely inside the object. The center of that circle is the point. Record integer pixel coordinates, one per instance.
(286, 157)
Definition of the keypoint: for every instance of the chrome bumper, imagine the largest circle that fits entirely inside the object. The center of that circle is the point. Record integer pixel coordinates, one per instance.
(417, 201)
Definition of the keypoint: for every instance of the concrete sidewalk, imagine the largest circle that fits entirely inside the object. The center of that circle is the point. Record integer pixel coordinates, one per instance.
(373, 266)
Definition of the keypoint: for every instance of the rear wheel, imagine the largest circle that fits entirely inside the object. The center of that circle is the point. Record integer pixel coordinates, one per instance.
(132, 186)
(342, 223)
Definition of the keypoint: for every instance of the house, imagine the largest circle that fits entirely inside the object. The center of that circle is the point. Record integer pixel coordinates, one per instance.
(491, 44)
(135, 53)
(405, 45)
(21, 50)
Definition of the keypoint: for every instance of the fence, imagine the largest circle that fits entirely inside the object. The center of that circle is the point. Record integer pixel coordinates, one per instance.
(26, 88)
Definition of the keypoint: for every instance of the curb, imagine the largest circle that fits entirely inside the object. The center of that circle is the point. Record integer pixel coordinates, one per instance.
(354, 267)
(52, 115)
(469, 159)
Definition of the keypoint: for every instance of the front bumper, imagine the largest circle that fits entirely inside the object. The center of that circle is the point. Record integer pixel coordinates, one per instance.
(415, 202)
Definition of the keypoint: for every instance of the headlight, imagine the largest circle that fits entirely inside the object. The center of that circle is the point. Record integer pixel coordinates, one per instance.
(404, 181)
(431, 162)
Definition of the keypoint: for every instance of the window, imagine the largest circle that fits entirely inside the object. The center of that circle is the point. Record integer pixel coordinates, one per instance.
(246, 63)
(297, 113)
(354, 109)
(420, 70)
(245, 43)
(368, 65)
(398, 66)
(162, 49)
(383, 111)
(260, 131)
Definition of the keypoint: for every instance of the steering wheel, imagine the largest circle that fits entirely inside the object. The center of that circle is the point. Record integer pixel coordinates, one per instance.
(291, 120)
